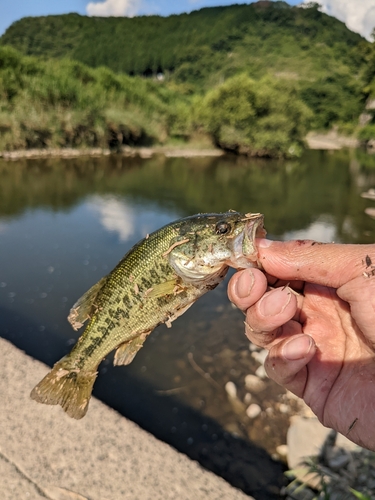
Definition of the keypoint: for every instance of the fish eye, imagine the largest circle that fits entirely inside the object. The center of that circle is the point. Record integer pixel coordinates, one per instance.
(222, 227)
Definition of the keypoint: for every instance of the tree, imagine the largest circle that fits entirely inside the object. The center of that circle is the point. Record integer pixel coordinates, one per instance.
(258, 118)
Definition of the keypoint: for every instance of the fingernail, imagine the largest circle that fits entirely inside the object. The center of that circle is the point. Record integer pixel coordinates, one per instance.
(274, 302)
(297, 347)
(263, 243)
(245, 283)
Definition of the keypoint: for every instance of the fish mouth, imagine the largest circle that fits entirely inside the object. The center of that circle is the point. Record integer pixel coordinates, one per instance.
(244, 250)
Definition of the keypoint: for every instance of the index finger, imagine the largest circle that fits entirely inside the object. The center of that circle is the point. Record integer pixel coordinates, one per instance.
(328, 264)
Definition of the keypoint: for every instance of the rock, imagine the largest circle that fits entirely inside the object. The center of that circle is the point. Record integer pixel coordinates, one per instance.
(254, 384)
(305, 438)
(282, 450)
(231, 389)
(291, 395)
(260, 356)
(283, 408)
(261, 372)
(253, 410)
(364, 119)
(370, 194)
(294, 401)
(247, 398)
(339, 461)
(370, 211)
(295, 492)
(252, 347)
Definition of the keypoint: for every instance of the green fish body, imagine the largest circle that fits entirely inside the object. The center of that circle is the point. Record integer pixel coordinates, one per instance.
(154, 283)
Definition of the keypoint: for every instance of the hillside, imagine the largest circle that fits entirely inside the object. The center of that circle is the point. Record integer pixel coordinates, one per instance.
(202, 47)
(253, 78)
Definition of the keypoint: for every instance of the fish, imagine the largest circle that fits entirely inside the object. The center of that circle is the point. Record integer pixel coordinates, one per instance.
(155, 282)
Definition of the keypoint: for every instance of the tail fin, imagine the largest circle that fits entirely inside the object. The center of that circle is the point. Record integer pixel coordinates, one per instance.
(70, 388)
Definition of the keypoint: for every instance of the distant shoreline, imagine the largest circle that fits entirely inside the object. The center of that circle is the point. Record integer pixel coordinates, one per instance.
(330, 141)
(96, 152)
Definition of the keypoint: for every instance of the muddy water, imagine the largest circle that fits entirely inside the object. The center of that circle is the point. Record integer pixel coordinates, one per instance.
(66, 223)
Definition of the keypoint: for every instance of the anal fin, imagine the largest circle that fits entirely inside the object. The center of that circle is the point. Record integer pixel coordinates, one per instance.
(126, 351)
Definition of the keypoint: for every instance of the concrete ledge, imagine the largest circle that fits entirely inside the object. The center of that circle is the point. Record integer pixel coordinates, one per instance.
(45, 454)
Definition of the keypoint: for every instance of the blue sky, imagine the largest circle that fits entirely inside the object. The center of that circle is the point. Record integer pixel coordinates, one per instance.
(359, 15)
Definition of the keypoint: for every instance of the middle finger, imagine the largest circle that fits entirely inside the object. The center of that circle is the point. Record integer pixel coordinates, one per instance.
(266, 317)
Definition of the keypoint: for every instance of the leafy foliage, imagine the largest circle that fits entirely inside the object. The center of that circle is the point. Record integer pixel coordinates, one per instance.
(201, 41)
(63, 103)
(67, 104)
(264, 118)
(280, 59)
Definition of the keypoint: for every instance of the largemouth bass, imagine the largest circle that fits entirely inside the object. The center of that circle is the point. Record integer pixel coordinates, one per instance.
(154, 283)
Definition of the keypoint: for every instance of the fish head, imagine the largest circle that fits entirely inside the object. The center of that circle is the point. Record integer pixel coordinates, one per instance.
(208, 243)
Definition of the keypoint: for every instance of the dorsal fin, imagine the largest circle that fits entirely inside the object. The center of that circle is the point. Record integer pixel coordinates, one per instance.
(85, 306)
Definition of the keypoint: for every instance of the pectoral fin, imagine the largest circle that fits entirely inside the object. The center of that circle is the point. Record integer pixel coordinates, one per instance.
(126, 352)
(167, 288)
(84, 308)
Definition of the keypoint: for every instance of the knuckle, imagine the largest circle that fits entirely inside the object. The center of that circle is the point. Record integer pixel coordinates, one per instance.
(259, 337)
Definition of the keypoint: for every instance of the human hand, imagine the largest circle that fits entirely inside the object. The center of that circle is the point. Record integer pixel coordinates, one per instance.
(321, 340)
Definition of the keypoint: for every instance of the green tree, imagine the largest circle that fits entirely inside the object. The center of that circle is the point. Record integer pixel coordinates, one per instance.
(258, 118)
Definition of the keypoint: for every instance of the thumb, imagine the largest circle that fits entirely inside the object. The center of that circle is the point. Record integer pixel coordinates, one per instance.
(327, 264)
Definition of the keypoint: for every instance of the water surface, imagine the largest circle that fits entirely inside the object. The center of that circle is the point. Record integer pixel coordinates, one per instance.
(66, 223)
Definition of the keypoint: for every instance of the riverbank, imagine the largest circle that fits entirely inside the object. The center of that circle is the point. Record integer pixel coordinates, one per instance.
(328, 141)
(126, 151)
(45, 454)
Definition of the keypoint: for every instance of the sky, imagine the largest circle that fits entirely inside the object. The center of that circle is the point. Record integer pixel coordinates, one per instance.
(359, 15)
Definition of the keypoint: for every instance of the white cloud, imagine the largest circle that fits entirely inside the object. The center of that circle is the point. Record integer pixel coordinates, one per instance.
(117, 8)
(114, 215)
(358, 15)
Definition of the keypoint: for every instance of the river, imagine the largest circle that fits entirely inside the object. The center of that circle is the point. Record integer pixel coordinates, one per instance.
(64, 223)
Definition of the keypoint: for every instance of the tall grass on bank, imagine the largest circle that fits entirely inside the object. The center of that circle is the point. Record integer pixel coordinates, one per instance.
(66, 104)
(264, 118)
(63, 103)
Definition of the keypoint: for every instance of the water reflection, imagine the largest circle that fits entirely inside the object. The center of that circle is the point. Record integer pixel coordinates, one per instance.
(66, 223)
(323, 229)
(292, 195)
(114, 215)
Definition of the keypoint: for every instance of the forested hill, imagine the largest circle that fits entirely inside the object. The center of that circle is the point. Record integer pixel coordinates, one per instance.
(201, 48)
(252, 78)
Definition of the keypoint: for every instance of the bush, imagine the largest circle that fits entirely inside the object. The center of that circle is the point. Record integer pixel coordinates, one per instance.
(263, 118)
(334, 99)
(67, 104)
(367, 133)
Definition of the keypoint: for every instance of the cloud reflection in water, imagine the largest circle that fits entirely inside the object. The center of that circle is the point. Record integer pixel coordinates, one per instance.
(114, 215)
(323, 229)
